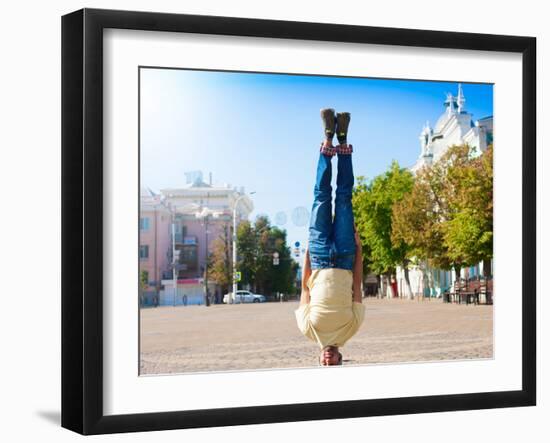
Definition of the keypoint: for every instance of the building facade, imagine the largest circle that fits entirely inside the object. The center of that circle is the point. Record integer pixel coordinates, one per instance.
(154, 244)
(202, 212)
(455, 126)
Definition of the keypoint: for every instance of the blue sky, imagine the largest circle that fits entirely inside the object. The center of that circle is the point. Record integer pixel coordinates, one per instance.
(262, 131)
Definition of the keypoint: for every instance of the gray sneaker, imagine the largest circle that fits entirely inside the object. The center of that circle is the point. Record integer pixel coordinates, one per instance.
(329, 122)
(342, 125)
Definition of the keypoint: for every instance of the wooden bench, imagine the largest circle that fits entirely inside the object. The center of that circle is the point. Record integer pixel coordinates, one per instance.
(451, 295)
(486, 291)
(470, 291)
(467, 294)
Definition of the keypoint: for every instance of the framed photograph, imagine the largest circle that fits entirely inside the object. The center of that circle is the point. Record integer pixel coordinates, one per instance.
(269, 221)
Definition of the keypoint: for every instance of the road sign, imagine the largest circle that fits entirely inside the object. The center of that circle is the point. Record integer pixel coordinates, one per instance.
(297, 244)
(275, 261)
(237, 276)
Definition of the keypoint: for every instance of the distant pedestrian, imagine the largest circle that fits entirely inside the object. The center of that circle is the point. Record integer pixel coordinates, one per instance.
(395, 293)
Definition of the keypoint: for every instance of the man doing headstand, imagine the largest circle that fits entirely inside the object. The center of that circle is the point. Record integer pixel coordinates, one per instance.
(331, 308)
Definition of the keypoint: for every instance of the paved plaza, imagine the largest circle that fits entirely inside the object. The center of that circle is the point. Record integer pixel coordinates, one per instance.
(260, 336)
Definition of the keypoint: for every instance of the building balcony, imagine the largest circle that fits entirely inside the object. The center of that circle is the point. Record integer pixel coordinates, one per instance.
(181, 239)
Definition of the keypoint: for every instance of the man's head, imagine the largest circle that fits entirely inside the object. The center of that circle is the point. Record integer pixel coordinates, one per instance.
(330, 356)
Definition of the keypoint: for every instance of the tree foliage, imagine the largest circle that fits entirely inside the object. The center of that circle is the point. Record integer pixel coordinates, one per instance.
(143, 279)
(447, 218)
(420, 216)
(468, 233)
(373, 206)
(256, 244)
(220, 260)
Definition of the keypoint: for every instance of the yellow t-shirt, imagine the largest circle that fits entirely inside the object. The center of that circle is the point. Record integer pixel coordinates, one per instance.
(331, 317)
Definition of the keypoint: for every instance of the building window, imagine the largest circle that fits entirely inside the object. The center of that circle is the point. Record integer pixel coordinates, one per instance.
(144, 223)
(144, 252)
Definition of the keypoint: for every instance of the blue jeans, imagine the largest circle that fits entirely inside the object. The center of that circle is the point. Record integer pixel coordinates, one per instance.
(332, 243)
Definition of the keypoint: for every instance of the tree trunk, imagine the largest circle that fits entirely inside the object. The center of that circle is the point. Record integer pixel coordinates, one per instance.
(425, 280)
(487, 268)
(408, 290)
(389, 287)
(457, 272)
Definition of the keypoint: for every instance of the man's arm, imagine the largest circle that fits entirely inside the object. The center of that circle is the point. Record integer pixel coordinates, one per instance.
(306, 272)
(358, 271)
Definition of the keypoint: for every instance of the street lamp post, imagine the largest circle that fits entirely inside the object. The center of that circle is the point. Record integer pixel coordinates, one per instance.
(229, 299)
(174, 261)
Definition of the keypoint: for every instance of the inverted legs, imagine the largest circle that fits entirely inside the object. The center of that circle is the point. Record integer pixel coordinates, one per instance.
(332, 242)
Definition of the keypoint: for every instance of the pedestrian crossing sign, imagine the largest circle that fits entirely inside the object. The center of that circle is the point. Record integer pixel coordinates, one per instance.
(237, 276)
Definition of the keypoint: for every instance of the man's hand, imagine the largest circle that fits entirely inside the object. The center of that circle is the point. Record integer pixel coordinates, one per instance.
(304, 296)
(306, 272)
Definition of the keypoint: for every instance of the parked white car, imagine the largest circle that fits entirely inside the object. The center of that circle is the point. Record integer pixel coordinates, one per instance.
(244, 297)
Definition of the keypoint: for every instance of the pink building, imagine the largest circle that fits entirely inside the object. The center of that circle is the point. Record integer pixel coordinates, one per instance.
(154, 243)
(203, 212)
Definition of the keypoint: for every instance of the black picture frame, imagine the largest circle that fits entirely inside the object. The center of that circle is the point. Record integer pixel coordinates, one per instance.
(82, 215)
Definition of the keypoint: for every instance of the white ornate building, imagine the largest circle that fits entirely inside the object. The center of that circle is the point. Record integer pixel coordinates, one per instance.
(454, 127)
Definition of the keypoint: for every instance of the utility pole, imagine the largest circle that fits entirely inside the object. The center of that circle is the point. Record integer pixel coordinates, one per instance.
(235, 246)
(207, 300)
(155, 256)
(234, 293)
(205, 214)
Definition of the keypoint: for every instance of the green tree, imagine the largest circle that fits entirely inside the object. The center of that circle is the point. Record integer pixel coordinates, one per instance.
(418, 221)
(246, 252)
(373, 207)
(221, 267)
(144, 279)
(447, 218)
(256, 244)
(143, 283)
(264, 249)
(283, 275)
(468, 233)
(271, 278)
